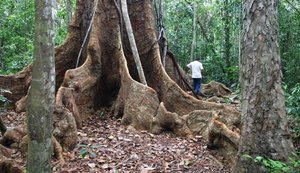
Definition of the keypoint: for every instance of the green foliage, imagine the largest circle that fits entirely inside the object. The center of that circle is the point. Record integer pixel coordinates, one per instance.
(178, 18)
(289, 20)
(85, 150)
(61, 23)
(292, 98)
(275, 166)
(210, 40)
(17, 33)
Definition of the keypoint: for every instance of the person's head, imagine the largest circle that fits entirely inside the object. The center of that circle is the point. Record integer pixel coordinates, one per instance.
(197, 58)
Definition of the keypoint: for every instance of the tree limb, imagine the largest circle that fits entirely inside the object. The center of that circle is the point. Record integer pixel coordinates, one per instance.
(295, 8)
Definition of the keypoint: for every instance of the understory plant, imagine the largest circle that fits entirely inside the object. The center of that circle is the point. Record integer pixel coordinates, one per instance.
(275, 166)
(292, 99)
(85, 150)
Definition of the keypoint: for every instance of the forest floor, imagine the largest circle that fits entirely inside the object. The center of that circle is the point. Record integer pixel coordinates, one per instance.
(107, 146)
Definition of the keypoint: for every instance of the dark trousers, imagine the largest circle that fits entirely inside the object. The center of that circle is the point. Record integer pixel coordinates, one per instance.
(197, 85)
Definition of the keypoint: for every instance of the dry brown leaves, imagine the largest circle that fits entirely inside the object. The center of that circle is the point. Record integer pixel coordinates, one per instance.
(108, 146)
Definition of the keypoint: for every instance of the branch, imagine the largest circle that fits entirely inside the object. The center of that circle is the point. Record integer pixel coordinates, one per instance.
(180, 74)
(295, 8)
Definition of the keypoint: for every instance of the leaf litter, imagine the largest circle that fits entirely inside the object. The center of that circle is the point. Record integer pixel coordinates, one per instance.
(106, 146)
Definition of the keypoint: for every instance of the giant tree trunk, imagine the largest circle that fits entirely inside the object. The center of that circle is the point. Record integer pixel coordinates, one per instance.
(264, 131)
(108, 77)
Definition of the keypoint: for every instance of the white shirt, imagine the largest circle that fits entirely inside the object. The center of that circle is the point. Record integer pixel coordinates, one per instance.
(196, 67)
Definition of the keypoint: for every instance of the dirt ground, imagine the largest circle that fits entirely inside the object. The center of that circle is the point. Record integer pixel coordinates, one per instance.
(107, 146)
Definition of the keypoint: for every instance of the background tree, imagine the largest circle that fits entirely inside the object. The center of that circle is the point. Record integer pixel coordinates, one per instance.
(289, 21)
(193, 45)
(211, 24)
(16, 35)
(102, 79)
(264, 123)
(69, 11)
(42, 92)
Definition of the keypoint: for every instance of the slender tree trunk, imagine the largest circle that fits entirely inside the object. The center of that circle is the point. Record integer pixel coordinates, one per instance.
(132, 42)
(287, 42)
(264, 122)
(227, 35)
(205, 35)
(69, 10)
(42, 92)
(194, 32)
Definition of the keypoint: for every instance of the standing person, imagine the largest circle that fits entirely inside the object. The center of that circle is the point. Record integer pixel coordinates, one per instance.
(196, 67)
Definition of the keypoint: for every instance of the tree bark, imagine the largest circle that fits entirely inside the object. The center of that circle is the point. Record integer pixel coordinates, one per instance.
(193, 45)
(107, 77)
(132, 42)
(264, 123)
(42, 92)
(226, 34)
(69, 11)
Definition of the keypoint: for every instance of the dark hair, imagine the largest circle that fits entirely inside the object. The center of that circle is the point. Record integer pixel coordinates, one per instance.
(197, 58)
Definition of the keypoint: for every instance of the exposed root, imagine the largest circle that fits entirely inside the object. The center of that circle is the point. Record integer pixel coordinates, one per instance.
(217, 130)
(65, 130)
(165, 120)
(13, 137)
(4, 151)
(56, 148)
(21, 104)
(215, 89)
(139, 105)
(7, 166)
(65, 98)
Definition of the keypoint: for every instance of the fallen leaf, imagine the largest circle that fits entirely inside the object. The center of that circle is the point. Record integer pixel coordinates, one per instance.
(92, 165)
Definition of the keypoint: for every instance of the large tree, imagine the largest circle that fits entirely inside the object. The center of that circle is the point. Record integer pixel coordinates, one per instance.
(264, 122)
(107, 76)
(42, 92)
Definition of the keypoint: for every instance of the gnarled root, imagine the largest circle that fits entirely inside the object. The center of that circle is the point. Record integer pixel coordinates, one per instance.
(138, 104)
(7, 166)
(215, 89)
(165, 120)
(65, 130)
(65, 98)
(12, 137)
(217, 130)
(56, 148)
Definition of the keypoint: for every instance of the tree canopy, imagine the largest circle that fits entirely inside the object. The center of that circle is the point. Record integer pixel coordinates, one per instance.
(95, 67)
(16, 35)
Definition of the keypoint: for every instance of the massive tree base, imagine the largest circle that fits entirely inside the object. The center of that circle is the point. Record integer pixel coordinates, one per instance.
(107, 77)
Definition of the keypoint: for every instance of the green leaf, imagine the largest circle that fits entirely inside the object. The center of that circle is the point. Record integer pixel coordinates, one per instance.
(96, 146)
(247, 156)
(83, 152)
(258, 159)
(82, 145)
(92, 153)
